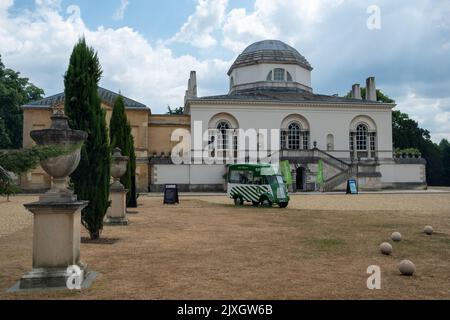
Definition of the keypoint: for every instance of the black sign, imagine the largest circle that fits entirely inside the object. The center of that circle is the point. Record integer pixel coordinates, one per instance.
(171, 194)
(352, 187)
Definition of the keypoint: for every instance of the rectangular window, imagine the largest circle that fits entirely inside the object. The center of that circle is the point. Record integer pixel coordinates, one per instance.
(373, 144)
(306, 140)
(361, 142)
(283, 140)
(279, 74)
(352, 142)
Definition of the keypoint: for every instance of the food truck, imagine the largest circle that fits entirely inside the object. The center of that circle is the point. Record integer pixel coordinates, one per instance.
(258, 184)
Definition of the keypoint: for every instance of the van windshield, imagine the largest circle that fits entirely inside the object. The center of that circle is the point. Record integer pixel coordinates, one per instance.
(280, 180)
(276, 180)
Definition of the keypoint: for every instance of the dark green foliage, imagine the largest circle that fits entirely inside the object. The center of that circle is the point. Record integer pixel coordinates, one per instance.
(132, 203)
(444, 146)
(407, 134)
(121, 137)
(20, 161)
(14, 92)
(83, 107)
(410, 152)
(5, 141)
(175, 111)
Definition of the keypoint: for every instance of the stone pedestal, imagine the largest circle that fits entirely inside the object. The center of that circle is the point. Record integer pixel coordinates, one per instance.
(117, 213)
(56, 244)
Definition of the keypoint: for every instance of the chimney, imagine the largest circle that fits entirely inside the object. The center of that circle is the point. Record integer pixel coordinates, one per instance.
(371, 89)
(356, 92)
(193, 83)
(191, 91)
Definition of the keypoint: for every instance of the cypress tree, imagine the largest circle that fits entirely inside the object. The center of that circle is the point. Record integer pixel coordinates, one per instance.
(132, 203)
(121, 137)
(83, 107)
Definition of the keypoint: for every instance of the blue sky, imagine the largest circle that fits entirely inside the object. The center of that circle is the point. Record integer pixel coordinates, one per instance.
(147, 47)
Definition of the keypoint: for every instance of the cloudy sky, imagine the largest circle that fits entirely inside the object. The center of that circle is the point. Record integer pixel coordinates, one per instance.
(148, 47)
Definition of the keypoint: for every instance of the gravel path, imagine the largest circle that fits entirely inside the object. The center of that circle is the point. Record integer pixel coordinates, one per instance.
(13, 215)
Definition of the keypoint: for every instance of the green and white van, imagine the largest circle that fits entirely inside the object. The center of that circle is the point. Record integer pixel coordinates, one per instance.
(258, 184)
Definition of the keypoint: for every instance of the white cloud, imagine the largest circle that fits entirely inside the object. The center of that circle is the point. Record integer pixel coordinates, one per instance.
(431, 113)
(199, 28)
(273, 19)
(120, 12)
(39, 43)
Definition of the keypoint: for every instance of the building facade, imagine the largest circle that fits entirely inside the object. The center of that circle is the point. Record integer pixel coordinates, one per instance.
(270, 89)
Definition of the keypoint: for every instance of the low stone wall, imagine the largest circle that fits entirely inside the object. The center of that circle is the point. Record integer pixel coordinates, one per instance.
(192, 188)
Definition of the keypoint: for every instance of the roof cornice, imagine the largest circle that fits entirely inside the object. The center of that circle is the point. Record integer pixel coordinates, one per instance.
(376, 105)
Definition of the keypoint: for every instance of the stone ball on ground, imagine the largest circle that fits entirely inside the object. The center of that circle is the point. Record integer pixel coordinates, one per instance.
(407, 268)
(428, 230)
(386, 248)
(396, 236)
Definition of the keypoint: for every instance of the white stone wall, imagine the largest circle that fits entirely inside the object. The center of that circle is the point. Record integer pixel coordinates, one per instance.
(170, 174)
(323, 120)
(188, 174)
(259, 72)
(403, 173)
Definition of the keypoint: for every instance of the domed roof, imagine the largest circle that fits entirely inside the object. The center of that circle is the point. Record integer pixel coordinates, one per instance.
(270, 51)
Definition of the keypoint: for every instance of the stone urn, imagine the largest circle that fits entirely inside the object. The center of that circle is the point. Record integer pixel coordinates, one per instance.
(57, 215)
(117, 212)
(118, 168)
(59, 168)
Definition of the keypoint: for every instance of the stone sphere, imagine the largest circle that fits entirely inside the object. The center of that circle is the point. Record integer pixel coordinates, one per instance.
(407, 268)
(428, 230)
(396, 236)
(386, 248)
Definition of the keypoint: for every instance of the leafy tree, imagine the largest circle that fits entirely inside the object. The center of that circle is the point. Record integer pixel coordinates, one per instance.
(175, 111)
(15, 91)
(121, 137)
(407, 134)
(5, 141)
(20, 161)
(444, 146)
(83, 107)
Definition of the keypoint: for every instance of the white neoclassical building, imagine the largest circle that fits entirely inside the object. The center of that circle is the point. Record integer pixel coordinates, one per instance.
(270, 88)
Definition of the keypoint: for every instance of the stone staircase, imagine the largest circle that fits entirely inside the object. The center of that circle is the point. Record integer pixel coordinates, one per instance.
(346, 170)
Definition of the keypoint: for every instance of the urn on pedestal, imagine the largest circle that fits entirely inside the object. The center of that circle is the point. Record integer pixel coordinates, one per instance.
(117, 213)
(57, 214)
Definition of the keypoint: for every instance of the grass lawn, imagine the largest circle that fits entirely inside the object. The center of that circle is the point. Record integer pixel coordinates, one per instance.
(205, 248)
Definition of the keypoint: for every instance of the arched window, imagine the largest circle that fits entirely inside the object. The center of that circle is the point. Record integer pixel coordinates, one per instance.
(289, 77)
(224, 130)
(361, 137)
(279, 74)
(269, 76)
(294, 134)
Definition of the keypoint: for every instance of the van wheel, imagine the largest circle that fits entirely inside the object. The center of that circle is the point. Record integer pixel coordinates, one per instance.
(265, 202)
(255, 203)
(238, 201)
(283, 205)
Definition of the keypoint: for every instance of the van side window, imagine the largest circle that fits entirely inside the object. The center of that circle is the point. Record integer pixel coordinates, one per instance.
(241, 177)
(258, 181)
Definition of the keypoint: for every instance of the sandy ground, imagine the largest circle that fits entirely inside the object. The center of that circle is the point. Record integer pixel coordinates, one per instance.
(205, 248)
(364, 202)
(13, 215)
